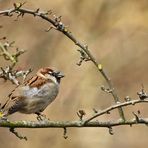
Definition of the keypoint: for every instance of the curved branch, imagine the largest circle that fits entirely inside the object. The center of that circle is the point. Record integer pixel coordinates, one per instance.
(58, 25)
(107, 110)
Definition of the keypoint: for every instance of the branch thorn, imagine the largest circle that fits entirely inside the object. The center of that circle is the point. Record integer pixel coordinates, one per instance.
(12, 130)
(111, 131)
(65, 133)
(81, 114)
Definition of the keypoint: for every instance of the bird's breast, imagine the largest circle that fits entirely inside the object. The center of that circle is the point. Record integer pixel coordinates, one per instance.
(37, 99)
(46, 91)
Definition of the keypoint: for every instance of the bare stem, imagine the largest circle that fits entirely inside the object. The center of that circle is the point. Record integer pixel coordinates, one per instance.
(107, 110)
(65, 124)
(6, 54)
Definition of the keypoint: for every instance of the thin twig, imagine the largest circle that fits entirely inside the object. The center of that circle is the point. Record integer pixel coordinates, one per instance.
(65, 133)
(7, 55)
(12, 130)
(9, 74)
(102, 112)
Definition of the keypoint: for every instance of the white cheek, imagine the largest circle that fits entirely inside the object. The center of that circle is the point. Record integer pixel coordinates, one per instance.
(52, 78)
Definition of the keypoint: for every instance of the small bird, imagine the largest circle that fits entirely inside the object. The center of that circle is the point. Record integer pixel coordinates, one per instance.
(35, 94)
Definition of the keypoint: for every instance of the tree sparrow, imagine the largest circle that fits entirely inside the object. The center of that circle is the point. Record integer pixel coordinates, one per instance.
(35, 94)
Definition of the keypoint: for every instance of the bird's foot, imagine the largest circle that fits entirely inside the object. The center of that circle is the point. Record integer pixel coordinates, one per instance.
(41, 117)
(3, 117)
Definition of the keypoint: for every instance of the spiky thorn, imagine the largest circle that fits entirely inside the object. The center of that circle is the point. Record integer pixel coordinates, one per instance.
(142, 94)
(18, 6)
(95, 111)
(65, 136)
(136, 117)
(12, 130)
(81, 113)
(111, 131)
(59, 25)
(107, 90)
(127, 98)
(83, 57)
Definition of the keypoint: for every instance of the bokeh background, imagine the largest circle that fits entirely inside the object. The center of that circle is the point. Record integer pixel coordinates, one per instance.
(116, 31)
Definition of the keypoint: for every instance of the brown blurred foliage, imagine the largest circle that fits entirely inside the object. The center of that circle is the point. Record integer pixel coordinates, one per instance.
(117, 33)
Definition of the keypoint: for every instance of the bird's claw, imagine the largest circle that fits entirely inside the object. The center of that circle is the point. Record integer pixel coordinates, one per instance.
(41, 117)
(3, 117)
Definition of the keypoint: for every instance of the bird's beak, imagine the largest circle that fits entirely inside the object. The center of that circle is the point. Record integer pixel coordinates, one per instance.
(58, 74)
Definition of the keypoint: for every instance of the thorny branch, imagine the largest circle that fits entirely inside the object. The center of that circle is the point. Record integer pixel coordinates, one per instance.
(105, 111)
(11, 57)
(58, 25)
(8, 73)
(81, 123)
(85, 55)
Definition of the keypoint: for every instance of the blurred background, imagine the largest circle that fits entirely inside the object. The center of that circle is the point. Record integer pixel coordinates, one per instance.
(116, 31)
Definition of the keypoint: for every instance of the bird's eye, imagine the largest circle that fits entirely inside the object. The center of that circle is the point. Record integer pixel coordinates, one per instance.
(50, 72)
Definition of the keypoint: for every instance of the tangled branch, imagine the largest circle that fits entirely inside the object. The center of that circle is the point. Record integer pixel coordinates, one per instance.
(9, 73)
(85, 55)
(7, 56)
(60, 26)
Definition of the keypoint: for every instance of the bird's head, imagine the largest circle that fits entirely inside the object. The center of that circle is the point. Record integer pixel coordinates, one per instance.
(51, 74)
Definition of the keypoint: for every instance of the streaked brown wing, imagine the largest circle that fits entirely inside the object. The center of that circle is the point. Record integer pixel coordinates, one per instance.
(10, 96)
(13, 102)
(13, 105)
(36, 81)
(31, 80)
